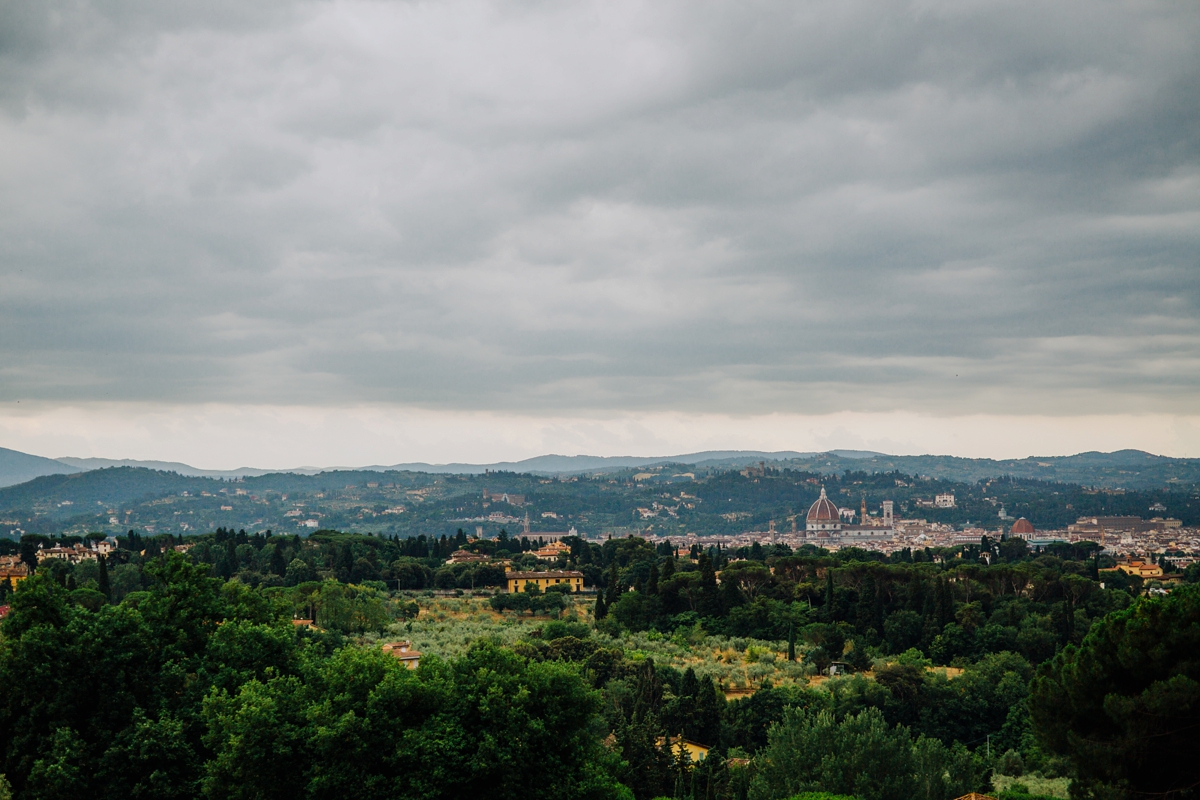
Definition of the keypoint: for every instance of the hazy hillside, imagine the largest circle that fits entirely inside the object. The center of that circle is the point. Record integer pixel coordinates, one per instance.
(184, 469)
(17, 467)
(567, 465)
(86, 491)
(538, 465)
(1123, 469)
(671, 500)
(92, 492)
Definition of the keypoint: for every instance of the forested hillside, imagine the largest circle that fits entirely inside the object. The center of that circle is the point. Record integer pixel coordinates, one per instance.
(670, 500)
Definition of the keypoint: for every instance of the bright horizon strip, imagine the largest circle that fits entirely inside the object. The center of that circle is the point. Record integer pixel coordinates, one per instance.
(215, 436)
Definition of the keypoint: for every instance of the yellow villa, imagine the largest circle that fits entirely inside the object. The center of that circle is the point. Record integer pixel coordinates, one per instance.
(404, 653)
(13, 570)
(679, 745)
(517, 581)
(1139, 569)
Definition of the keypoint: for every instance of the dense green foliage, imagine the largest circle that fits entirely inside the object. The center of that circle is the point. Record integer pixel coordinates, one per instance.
(863, 756)
(156, 674)
(1124, 704)
(954, 609)
(198, 686)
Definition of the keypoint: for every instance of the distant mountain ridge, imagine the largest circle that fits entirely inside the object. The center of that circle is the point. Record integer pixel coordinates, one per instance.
(17, 467)
(1121, 469)
(186, 469)
(548, 464)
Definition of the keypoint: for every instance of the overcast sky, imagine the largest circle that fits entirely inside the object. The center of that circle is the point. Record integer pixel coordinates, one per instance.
(340, 232)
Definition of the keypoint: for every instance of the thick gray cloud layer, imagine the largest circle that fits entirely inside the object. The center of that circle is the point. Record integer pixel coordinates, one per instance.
(741, 207)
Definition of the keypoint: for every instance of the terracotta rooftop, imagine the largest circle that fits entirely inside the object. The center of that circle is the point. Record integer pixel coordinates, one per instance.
(556, 574)
(1022, 526)
(823, 510)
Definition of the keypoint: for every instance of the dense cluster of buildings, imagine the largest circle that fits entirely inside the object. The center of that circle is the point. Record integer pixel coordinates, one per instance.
(14, 570)
(1126, 538)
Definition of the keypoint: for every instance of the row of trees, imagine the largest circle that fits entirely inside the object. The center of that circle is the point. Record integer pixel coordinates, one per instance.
(949, 611)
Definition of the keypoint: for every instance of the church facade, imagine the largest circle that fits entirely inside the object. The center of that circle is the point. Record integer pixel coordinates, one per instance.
(823, 524)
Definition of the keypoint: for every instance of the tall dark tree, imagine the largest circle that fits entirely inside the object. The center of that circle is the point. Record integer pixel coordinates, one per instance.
(865, 612)
(614, 589)
(102, 579)
(829, 594)
(29, 553)
(668, 569)
(277, 564)
(709, 598)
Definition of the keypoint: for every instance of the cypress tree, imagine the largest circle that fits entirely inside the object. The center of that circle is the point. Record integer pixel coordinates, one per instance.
(103, 579)
(866, 602)
(29, 554)
(601, 609)
(708, 713)
(944, 603)
(668, 566)
(916, 600)
(652, 581)
(690, 686)
(829, 594)
(710, 605)
(278, 566)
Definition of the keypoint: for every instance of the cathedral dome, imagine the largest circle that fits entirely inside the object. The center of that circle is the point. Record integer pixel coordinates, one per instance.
(1022, 526)
(823, 510)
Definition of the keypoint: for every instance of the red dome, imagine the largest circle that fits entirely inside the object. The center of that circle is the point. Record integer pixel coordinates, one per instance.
(823, 510)
(1022, 526)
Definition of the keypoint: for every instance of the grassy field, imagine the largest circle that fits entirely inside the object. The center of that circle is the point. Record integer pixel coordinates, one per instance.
(447, 627)
(1037, 786)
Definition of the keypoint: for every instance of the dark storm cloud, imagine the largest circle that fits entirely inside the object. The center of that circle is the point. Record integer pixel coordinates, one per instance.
(958, 207)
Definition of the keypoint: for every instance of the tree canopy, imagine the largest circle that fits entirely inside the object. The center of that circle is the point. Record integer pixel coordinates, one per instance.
(1124, 705)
